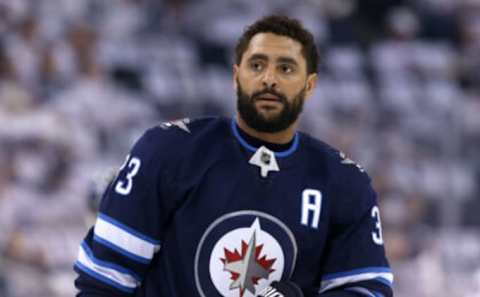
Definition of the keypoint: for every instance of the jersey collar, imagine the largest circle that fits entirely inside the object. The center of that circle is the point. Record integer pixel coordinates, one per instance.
(252, 148)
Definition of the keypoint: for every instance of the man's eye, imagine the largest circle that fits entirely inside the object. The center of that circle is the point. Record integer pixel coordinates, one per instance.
(256, 66)
(286, 68)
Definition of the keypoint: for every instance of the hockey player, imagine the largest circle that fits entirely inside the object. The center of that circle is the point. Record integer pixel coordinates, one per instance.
(240, 207)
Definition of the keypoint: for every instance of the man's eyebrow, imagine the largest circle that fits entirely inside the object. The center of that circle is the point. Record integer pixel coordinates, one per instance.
(258, 57)
(282, 59)
(287, 60)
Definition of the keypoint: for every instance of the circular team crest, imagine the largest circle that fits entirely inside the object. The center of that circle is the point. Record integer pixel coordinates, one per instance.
(241, 253)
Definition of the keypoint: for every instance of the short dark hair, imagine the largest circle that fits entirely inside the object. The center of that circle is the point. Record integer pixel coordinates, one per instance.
(284, 26)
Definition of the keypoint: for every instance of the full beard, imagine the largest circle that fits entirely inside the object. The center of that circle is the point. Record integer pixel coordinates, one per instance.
(274, 123)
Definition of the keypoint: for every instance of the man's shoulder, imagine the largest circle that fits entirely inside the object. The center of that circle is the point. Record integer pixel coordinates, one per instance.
(177, 136)
(347, 180)
(317, 146)
(185, 130)
(340, 166)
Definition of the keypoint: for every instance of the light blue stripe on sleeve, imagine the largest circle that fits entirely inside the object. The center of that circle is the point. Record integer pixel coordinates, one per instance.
(334, 280)
(121, 251)
(110, 274)
(128, 229)
(113, 266)
(125, 240)
(364, 292)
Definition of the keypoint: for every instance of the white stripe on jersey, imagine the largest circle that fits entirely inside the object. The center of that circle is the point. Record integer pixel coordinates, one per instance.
(125, 240)
(363, 291)
(123, 279)
(340, 281)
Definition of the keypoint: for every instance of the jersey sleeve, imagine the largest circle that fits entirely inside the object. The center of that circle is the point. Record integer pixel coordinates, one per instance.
(355, 260)
(115, 254)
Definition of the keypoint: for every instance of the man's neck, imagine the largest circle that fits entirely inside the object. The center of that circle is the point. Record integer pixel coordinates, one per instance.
(281, 137)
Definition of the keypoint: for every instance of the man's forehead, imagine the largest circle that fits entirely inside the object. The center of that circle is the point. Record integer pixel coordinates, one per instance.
(273, 44)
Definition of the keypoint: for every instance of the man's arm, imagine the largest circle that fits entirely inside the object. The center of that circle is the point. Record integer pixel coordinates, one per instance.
(355, 261)
(116, 253)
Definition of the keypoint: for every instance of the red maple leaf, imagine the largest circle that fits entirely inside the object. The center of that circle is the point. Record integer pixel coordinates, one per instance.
(236, 256)
(266, 263)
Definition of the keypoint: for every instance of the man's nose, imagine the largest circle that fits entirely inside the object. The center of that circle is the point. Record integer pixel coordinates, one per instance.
(269, 79)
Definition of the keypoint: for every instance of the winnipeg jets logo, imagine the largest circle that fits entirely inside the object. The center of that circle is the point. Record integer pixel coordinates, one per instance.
(247, 267)
(245, 260)
(182, 124)
(241, 253)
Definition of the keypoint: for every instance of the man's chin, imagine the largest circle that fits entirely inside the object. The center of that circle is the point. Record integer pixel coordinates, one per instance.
(270, 121)
(269, 112)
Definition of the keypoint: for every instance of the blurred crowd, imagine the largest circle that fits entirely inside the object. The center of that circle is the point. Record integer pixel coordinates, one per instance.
(399, 92)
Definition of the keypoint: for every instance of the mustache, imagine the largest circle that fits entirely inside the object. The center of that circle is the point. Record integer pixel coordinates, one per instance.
(258, 94)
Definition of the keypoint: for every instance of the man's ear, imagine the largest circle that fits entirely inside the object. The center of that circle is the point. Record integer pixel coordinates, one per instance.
(310, 85)
(235, 76)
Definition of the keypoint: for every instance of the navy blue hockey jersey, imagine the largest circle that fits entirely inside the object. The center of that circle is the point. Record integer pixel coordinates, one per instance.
(198, 209)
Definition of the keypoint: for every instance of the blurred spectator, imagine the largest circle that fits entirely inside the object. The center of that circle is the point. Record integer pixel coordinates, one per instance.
(22, 49)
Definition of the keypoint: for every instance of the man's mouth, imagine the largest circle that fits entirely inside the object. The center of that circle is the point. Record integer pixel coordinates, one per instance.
(268, 97)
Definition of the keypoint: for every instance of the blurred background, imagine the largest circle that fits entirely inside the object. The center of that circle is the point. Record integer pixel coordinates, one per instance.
(399, 92)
